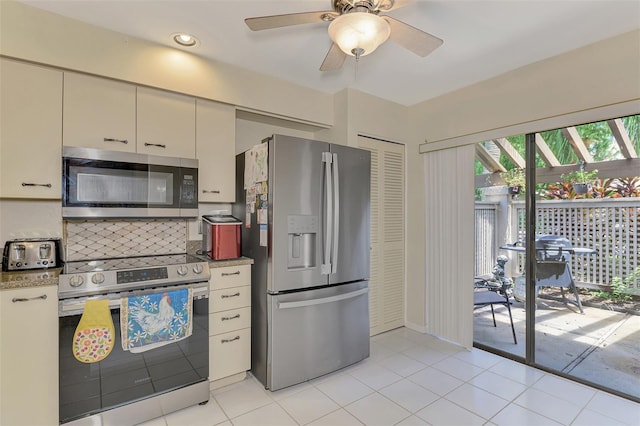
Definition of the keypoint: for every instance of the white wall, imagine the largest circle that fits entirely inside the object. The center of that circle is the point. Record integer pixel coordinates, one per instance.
(30, 219)
(250, 133)
(603, 74)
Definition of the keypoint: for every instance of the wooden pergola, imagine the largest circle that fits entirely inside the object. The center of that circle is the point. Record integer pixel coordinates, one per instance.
(628, 166)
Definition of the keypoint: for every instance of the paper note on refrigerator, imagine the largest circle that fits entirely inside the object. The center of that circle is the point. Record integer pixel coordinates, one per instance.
(263, 235)
(255, 165)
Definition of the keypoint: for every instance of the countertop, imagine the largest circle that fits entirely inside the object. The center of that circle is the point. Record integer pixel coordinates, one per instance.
(39, 278)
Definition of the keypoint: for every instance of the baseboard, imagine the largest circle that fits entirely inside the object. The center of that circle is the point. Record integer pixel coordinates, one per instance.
(217, 384)
(416, 327)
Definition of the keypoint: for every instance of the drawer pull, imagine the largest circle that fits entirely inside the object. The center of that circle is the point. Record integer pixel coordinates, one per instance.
(226, 296)
(159, 145)
(230, 318)
(116, 140)
(47, 185)
(207, 191)
(230, 340)
(226, 274)
(26, 299)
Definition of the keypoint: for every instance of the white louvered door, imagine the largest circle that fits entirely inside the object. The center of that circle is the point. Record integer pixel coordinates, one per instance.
(386, 297)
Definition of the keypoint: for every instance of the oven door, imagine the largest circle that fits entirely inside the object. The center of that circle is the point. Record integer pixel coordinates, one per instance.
(124, 377)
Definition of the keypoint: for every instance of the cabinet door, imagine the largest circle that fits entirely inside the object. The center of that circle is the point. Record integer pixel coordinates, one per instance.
(30, 131)
(29, 358)
(216, 150)
(99, 113)
(166, 124)
(230, 354)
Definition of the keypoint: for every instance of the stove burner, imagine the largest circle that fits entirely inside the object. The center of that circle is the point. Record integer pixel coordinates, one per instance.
(127, 263)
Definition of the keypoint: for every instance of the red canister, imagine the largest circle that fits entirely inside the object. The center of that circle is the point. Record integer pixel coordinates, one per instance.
(221, 237)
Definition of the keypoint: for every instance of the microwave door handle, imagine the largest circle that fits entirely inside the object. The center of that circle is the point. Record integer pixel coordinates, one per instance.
(336, 215)
(327, 158)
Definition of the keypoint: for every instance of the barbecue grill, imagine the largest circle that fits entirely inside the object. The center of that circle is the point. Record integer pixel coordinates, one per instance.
(553, 257)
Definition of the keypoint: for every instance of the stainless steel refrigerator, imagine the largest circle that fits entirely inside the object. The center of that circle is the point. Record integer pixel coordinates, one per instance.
(305, 209)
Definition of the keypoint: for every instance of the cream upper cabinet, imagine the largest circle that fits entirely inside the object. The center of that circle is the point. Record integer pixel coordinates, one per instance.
(29, 359)
(99, 113)
(215, 150)
(30, 131)
(166, 123)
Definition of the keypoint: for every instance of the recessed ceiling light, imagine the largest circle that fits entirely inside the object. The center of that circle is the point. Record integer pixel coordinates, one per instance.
(184, 39)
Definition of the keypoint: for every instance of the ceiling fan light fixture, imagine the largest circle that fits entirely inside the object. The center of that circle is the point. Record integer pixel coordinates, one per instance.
(359, 33)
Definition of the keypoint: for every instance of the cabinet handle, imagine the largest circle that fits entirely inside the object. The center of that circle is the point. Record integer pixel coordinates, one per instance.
(226, 296)
(116, 140)
(159, 145)
(226, 274)
(206, 191)
(230, 340)
(47, 185)
(230, 318)
(26, 299)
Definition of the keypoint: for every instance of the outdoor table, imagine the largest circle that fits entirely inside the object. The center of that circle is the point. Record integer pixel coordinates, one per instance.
(570, 250)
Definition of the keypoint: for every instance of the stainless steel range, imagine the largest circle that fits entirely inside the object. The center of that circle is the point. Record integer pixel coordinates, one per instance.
(127, 387)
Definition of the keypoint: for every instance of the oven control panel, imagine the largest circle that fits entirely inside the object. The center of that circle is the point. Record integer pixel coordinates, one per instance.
(135, 275)
(96, 282)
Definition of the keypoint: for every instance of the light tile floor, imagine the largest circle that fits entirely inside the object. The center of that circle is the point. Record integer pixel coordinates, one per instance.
(413, 379)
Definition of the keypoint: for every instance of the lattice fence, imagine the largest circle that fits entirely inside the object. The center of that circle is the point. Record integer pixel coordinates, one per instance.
(610, 226)
(486, 239)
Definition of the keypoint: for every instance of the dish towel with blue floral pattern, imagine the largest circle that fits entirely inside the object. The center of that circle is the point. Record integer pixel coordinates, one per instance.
(153, 320)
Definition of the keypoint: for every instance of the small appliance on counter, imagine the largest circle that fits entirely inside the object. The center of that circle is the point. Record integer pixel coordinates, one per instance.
(32, 253)
(221, 237)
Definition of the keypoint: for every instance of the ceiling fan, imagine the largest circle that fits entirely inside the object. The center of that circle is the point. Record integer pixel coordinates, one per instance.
(356, 29)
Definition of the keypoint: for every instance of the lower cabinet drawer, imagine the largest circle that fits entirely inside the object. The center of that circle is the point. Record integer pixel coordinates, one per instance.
(234, 319)
(230, 353)
(229, 298)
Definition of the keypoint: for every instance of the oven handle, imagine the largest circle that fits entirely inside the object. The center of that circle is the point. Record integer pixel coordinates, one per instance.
(75, 306)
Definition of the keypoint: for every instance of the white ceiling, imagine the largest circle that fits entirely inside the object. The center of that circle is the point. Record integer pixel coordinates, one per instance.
(482, 38)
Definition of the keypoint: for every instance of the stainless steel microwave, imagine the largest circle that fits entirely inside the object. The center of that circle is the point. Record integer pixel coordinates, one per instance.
(113, 184)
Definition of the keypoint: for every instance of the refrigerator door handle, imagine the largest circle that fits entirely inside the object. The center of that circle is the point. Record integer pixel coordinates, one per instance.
(336, 215)
(325, 268)
(323, 300)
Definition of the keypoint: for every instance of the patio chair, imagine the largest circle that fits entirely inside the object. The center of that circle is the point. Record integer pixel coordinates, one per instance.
(489, 292)
(553, 267)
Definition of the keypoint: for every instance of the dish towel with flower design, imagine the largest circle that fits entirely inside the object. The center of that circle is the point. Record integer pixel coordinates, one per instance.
(95, 334)
(153, 320)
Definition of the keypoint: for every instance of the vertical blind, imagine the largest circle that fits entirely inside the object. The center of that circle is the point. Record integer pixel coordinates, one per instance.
(449, 260)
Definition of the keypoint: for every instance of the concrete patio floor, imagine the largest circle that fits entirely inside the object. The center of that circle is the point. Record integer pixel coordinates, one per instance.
(601, 346)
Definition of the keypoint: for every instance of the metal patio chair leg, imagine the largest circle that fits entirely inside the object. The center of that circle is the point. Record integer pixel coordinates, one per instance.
(494, 316)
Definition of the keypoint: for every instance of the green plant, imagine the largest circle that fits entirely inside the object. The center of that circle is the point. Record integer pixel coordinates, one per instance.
(620, 287)
(580, 176)
(514, 177)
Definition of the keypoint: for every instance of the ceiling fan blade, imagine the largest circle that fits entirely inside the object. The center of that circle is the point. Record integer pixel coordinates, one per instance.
(411, 38)
(334, 59)
(278, 21)
(387, 5)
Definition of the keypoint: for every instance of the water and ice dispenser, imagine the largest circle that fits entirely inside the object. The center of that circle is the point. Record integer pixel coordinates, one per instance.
(303, 231)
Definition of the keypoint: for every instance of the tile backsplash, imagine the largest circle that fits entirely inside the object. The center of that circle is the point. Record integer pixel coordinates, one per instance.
(105, 239)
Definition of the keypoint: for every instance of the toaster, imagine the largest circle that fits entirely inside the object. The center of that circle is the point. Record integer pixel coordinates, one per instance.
(20, 255)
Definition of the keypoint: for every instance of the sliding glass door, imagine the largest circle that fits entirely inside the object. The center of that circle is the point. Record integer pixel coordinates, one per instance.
(569, 242)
